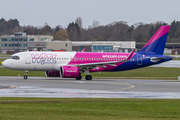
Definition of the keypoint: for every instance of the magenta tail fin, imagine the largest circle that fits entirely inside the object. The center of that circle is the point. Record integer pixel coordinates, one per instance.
(158, 41)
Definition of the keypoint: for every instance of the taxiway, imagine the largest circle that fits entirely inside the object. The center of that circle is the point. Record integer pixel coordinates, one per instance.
(97, 88)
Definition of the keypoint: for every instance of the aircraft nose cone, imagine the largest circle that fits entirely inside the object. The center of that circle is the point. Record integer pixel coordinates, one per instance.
(4, 63)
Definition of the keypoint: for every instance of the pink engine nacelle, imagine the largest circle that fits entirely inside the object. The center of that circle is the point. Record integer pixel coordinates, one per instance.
(69, 72)
(65, 72)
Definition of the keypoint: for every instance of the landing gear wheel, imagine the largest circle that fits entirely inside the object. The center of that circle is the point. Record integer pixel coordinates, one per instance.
(79, 78)
(25, 77)
(88, 77)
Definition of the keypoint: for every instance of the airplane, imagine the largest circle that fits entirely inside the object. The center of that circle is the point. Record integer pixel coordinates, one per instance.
(73, 64)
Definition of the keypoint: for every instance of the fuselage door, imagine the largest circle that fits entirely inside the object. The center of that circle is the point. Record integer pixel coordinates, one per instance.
(27, 58)
(139, 59)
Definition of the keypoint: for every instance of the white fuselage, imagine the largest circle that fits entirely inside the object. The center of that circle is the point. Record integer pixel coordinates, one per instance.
(39, 61)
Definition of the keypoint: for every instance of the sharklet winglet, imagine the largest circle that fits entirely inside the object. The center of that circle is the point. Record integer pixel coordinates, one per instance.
(130, 55)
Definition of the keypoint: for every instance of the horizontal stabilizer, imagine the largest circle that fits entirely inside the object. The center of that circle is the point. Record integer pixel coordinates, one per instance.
(156, 59)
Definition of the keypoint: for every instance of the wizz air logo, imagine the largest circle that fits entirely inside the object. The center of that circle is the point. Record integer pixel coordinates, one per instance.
(114, 56)
(44, 58)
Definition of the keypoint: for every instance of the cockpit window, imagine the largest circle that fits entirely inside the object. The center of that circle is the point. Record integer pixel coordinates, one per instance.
(15, 57)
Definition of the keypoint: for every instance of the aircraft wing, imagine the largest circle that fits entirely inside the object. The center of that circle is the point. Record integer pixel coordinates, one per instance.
(102, 64)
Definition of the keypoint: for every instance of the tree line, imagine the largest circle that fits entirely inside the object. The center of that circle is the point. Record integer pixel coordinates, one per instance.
(115, 31)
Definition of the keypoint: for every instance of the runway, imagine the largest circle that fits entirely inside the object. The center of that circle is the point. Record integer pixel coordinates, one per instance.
(97, 88)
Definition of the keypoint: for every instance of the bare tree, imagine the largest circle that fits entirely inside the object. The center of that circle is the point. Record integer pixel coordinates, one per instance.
(79, 22)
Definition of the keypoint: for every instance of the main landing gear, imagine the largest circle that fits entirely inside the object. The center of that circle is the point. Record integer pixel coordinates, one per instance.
(88, 77)
(79, 77)
(26, 75)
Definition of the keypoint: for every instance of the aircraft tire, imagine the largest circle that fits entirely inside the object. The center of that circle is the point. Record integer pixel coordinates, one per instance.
(25, 77)
(88, 77)
(79, 78)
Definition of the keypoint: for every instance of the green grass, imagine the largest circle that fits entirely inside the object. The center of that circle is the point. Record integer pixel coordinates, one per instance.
(9, 72)
(90, 109)
(5, 55)
(2, 59)
(176, 58)
(172, 55)
(142, 72)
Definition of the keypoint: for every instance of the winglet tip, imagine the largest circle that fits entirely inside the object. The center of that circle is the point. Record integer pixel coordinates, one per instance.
(130, 55)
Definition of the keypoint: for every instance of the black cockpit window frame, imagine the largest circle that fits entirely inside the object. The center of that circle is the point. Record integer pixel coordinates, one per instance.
(15, 57)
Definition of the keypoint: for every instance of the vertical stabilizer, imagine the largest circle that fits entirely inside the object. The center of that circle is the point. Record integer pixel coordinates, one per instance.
(158, 41)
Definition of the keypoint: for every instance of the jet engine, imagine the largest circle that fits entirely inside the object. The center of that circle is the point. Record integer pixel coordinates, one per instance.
(65, 72)
(69, 71)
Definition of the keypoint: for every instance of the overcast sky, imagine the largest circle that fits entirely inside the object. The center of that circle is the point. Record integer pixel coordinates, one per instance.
(62, 12)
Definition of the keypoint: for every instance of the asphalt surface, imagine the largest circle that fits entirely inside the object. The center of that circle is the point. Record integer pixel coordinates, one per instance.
(96, 88)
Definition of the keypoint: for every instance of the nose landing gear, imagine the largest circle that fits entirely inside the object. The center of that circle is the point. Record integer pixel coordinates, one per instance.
(26, 75)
